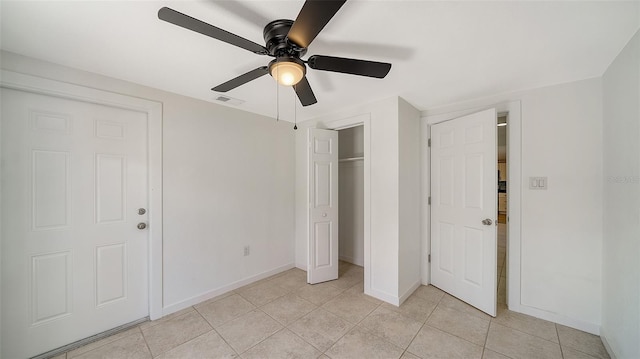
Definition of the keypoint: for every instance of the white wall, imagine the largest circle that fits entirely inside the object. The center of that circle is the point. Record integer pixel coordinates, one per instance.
(381, 272)
(409, 276)
(228, 182)
(351, 196)
(621, 242)
(561, 228)
(382, 255)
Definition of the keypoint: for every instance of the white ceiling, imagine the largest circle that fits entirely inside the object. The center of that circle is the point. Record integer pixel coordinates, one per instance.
(442, 52)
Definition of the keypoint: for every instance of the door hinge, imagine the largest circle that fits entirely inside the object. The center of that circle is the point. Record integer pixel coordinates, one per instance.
(429, 258)
(429, 200)
(429, 143)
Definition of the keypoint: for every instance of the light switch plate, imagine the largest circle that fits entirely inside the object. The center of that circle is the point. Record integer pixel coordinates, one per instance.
(538, 183)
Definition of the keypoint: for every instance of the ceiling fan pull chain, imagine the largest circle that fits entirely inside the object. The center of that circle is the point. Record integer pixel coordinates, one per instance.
(295, 113)
(277, 99)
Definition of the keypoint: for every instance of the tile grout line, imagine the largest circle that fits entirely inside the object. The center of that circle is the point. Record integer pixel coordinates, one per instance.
(486, 338)
(348, 331)
(533, 335)
(145, 342)
(201, 316)
(424, 323)
(555, 325)
(214, 330)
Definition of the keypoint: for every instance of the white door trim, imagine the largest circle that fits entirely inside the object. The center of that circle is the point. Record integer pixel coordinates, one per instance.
(514, 163)
(153, 109)
(365, 121)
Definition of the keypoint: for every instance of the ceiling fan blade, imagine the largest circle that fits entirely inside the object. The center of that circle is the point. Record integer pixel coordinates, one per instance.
(349, 66)
(242, 79)
(304, 92)
(313, 17)
(188, 22)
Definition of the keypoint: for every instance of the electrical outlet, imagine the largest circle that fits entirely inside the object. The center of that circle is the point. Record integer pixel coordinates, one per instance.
(538, 183)
(247, 250)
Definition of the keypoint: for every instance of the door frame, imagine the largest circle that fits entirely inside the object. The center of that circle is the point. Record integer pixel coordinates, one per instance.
(514, 168)
(363, 120)
(38, 85)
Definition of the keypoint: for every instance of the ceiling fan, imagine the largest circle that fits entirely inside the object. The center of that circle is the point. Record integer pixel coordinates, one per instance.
(287, 41)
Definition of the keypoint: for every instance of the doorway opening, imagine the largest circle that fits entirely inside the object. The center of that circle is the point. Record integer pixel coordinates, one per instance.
(502, 218)
(351, 203)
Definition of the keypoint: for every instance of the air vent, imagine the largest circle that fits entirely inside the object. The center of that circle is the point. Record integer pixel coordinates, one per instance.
(229, 100)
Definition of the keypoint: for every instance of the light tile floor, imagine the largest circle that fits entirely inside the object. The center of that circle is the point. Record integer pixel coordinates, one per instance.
(283, 317)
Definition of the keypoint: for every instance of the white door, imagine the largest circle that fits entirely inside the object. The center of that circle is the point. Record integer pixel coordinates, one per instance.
(463, 208)
(74, 263)
(323, 206)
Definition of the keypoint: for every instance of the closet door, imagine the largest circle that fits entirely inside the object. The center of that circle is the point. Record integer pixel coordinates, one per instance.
(323, 206)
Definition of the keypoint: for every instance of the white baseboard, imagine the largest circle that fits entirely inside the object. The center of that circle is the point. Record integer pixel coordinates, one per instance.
(556, 318)
(385, 297)
(605, 342)
(172, 308)
(352, 260)
(410, 291)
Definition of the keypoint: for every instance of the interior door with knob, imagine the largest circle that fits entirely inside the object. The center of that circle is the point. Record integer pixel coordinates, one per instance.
(322, 263)
(463, 208)
(74, 221)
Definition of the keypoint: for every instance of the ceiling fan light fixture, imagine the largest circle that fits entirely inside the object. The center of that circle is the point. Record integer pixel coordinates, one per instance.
(287, 71)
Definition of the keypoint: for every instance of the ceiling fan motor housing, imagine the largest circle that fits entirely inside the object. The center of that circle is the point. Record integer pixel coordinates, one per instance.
(275, 38)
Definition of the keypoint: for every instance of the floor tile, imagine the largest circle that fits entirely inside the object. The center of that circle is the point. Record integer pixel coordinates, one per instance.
(433, 343)
(581, 341)
(525, 323)
(358, 289)
(451, 302)
(132, 346)
(318, 294)
(291, 280)
(519, 345)
(408, 355)
(214, 299)
(350, 269)
(248, 330)
(351, 307)
(262, 293)
(207, 346)
(83, 349)
(392, 326)
(349, 278)
(321, 328)
(166, 318)
(179, 330)
(490, 354)
(224, 310)
(502, 290)
(429, 293)
(415, 307)
(568, 353)
(288, 309)
(460, 324)
(283, 344)
(360, 343)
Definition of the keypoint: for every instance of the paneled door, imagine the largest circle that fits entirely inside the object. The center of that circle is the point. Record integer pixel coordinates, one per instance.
(463, 208)
(323, 206)
(74, 210)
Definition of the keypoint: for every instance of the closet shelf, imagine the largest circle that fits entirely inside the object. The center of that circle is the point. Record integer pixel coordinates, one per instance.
(351, 159)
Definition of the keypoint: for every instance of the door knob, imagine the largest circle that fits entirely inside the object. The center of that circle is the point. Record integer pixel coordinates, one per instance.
(487, 222)
(142, 225)
(141, 211)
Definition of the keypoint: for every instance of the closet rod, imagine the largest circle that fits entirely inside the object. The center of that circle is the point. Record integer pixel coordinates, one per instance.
(351, 159)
